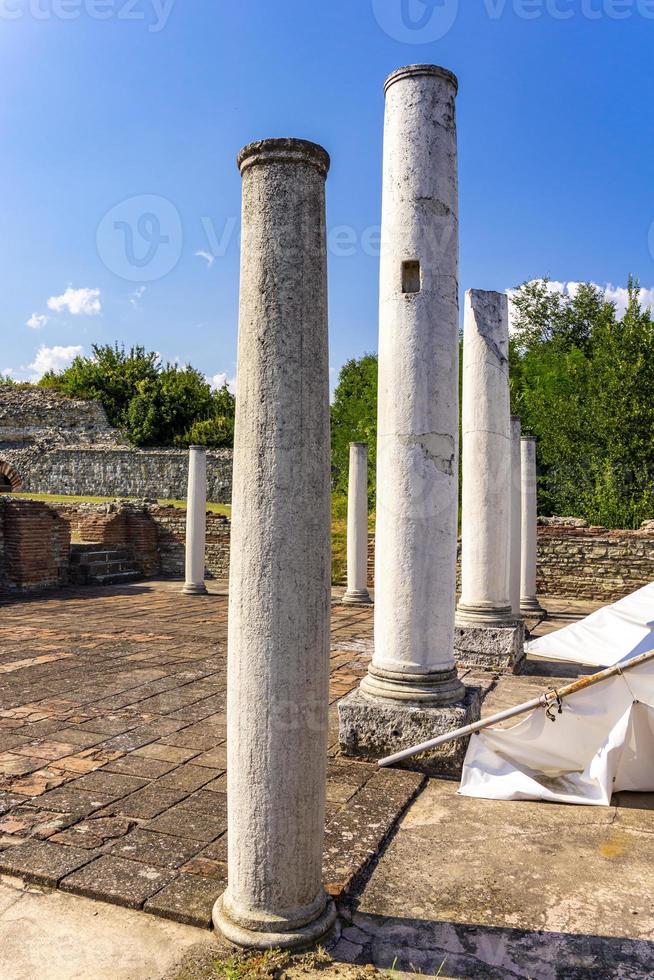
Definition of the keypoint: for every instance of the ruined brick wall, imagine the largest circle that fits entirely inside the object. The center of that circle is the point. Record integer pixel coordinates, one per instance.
(35, 546)
(593, 563)
(171, 538)
(35, 539)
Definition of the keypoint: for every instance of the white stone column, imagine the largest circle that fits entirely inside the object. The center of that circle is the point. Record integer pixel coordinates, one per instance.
(529, 604)
(357, 527)
(413, 666)
(280, 566)
(196, 521)
(515, 548)
(485, 508)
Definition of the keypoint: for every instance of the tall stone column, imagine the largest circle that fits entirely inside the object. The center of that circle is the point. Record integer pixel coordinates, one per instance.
(196, 521)
(486, 633)
(529, 604)
(412, 687)
(515, 548)
(280, 567)
(357, 528)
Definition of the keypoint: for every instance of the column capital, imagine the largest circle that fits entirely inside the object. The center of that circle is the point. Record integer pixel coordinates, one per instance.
(413, 71)
(283, 150)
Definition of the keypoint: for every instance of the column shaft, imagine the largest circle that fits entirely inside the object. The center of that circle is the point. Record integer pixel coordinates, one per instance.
(417, 442)
(280, 568)
(196, 521)
(515, 550)
(485, 511)
(529, 604)
(357, 527)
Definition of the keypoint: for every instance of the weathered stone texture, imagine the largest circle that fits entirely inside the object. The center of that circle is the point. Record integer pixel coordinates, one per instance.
(593, 562)
(53, 444)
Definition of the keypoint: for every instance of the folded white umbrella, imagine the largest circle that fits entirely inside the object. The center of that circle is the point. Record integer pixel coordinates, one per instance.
(602, 742)
(613, 633)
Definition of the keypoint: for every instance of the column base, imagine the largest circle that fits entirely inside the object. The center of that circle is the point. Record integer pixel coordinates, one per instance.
(483, 615)
(438, 689)
(361, 598)
(531, 608)
(490, 647)
(372, 728)
(297, 938)
(192, 589)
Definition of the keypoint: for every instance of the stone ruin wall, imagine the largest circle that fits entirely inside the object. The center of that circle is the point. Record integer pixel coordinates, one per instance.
(35, 540)
(583, 562)
(53, 444)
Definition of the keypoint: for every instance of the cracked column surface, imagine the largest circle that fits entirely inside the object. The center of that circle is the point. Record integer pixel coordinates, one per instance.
(357, 527)
(196, 521)
(529, 604)
(280, 568)
(486, 459)
(417, 442)
(515, 548)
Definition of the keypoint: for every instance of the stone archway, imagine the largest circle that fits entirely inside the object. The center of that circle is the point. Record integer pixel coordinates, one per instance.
(10, 481)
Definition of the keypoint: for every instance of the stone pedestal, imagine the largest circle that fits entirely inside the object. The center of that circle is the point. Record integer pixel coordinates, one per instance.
(372, 728)
(357, 528)
(515, 545)
(491, 647)
(529, 604)
(413, 675)
(196, 521)
(280, 569)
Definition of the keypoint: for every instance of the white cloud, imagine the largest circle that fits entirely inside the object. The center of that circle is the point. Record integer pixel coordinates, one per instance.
(77, 301)
(209, 258)
(136, 297)
(37, 320)
(218, 380)
(51, 359)
(7, 372)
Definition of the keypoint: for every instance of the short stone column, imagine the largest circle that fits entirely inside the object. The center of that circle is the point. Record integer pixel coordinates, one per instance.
(196, 521)
(412, 690)
(515, 547)
(486, 632)
(357, 528)
(280, 567)
(529, 604)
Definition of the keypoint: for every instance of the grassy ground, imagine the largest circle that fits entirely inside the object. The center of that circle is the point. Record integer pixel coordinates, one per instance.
(339, 521)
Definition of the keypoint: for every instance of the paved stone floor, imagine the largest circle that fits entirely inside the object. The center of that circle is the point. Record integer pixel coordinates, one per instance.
(112, 786)
(112, 749)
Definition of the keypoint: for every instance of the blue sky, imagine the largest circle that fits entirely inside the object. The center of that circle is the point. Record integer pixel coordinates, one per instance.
(132, 112)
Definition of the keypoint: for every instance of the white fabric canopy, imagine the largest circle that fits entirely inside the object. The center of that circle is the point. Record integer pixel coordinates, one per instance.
(617, 632)
(603, 742)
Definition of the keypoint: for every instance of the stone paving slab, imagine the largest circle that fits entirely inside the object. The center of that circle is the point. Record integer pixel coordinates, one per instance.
(113, 759)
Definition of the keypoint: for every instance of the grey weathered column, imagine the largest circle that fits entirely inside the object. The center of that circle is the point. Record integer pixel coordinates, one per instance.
(515, 546)
(487, 633)
(485, 508)
(529, 604)
(357, 527)
(196, 521)
(413, 675)
(280, 566)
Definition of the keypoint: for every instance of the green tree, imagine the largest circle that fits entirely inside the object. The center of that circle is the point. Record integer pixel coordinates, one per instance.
(153, 404)
(580, 378)
(354, 418)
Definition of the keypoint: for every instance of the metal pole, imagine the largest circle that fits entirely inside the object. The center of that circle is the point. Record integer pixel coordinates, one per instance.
(549, 699)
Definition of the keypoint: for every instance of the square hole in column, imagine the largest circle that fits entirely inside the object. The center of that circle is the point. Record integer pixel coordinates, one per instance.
(411, 276)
